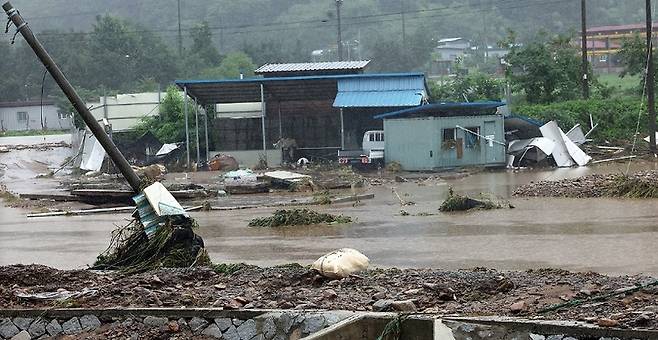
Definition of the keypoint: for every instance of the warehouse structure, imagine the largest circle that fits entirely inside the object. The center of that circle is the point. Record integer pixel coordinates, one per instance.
(322, 111)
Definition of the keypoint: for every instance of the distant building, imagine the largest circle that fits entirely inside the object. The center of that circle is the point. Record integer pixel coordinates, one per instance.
(125, 111)
(604, 42)
(450, 50)
(31, 115)
(447, 51)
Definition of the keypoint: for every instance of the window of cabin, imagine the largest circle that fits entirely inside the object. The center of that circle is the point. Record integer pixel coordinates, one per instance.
(472, 140)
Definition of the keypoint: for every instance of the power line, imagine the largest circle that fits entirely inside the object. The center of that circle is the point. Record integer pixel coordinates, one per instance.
(351, 21)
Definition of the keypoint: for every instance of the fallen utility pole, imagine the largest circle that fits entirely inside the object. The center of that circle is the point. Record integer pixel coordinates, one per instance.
(98, 131)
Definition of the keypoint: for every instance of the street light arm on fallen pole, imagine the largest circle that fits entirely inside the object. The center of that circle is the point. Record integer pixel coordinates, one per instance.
(111, 149)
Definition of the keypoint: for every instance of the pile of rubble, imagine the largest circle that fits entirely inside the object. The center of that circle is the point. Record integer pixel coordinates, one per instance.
(477, 291)
(637, 185)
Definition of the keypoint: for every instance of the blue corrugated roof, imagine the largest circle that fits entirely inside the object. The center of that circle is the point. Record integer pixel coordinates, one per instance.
(448, 107)
(378, 99)
(381, 91)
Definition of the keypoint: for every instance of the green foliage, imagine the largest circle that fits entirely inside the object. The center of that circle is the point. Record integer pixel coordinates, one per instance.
(169, 126)
(473, 87)
(456, 202)
(227, 268)
(231, 66)
(617, 117)
(295, 217)
(546, 69)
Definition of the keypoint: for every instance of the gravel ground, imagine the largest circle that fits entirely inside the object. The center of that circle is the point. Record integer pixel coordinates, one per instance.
(477, 291)
(596, 185)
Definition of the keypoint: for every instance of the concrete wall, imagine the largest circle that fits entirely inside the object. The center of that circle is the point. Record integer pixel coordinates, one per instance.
(417, 143)
(9, 118)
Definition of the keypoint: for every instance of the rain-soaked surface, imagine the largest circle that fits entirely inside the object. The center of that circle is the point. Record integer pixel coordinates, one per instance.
(613, 236)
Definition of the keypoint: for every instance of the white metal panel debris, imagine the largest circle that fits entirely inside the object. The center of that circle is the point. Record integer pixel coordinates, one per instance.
(166, 148)
(162, 201)
(580, 157)
(576, 135)
(286, 176)
(560, 153)
(93, 155)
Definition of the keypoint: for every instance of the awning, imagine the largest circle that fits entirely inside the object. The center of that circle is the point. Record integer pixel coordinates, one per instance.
(404, 91)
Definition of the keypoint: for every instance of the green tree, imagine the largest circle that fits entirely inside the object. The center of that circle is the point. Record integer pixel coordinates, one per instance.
(471, 87)
(169, 126)
(203, 46)
(231, 67)
(546, 69)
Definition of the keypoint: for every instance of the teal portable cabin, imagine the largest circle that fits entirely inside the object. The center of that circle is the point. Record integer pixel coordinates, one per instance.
(445, 135)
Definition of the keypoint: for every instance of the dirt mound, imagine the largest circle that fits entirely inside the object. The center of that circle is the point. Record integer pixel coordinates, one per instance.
(642, 184)
(476, 291)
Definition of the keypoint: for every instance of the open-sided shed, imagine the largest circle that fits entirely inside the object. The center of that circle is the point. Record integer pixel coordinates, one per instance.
(322, 113)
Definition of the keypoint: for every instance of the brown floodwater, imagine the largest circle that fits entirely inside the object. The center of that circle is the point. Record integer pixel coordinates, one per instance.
(613, 236)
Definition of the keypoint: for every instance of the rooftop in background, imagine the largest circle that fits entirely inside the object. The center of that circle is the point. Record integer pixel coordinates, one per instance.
(27, 103)
(445, 109)
(619, 28)
(308, 69)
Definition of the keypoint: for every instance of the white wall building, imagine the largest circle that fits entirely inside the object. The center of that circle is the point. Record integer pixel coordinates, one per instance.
(125, 111)
(31, 115)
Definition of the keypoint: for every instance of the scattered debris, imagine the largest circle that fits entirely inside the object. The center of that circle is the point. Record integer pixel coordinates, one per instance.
(456, 202)
(60, 294)
(223, 163)
(161, 235)
(642, 184)
(394, 167)
(295, 217)
(341, 263)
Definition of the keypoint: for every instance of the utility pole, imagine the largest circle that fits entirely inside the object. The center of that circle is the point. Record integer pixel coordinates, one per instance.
(650, 82)
(79, 105)
(180, 34)
(404, 27)
(583, 40)
(339, 40)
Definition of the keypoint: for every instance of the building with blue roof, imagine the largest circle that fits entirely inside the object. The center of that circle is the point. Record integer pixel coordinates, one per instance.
(445, 135)
(321, 112)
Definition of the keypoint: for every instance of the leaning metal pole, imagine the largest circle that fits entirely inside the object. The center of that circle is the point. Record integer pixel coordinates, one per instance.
(74, 98)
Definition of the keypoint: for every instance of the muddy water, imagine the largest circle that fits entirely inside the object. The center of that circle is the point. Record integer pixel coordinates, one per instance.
(606, 235)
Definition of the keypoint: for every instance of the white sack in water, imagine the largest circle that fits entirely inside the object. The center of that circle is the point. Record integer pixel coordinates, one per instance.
(341, 263)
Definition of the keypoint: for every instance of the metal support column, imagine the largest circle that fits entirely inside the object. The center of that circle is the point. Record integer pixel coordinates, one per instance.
(280, 127)
(59, 77)
(196, 117)
(342, 130)
(187, 129)
(263, 112)
(205, 116)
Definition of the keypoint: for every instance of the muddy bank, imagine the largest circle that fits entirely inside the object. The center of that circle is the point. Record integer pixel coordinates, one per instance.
(641, 184)
(476, 291)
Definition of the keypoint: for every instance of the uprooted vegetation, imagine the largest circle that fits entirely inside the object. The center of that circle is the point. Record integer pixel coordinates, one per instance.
(643, 184)
(457, 202)
(294, 217)
(172, 245)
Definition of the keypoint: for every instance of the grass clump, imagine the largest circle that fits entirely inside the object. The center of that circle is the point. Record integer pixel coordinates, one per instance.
(295, 217)
(456, 202)
(322, 198)
(394, 167)
(632, 187)
(227, 268)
